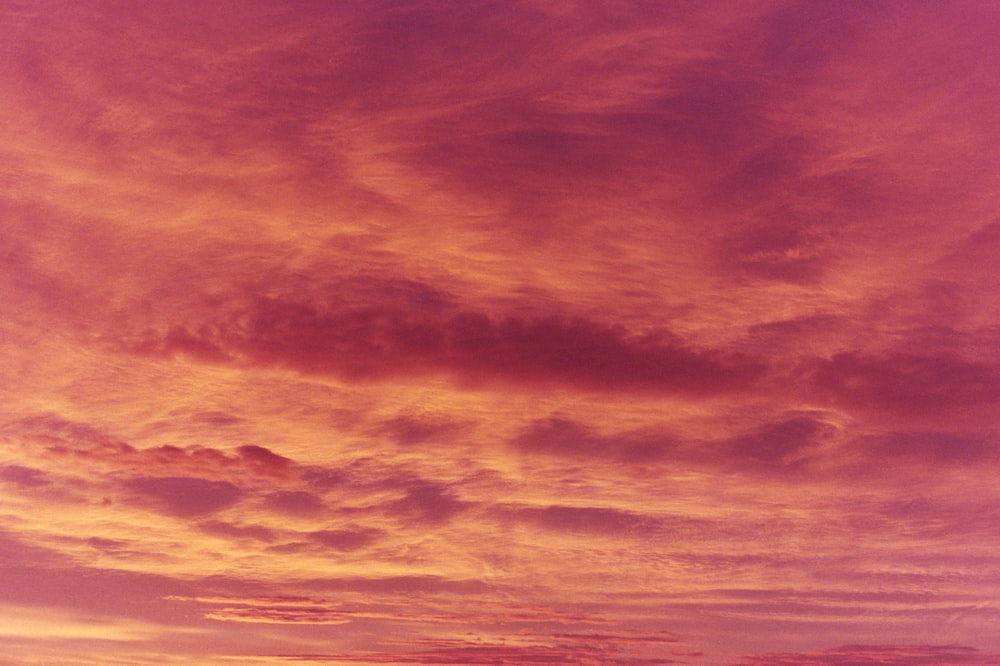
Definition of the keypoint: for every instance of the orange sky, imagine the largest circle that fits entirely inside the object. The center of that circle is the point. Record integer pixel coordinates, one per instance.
(514, 332)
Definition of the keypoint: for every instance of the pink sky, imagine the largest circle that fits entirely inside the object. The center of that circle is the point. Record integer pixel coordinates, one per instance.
(521, 332)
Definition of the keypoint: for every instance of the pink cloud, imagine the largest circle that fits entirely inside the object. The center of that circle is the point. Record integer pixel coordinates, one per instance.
(229, 530)
(295, 502)
(451, 332)
(376, 342)
(893, 655)
(185, 497)
(426, 504)
(558, 649)
(908, 382)
(346, 539)
(23, 477)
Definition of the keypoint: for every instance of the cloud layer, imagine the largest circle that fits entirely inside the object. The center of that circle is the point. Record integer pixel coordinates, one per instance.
(478, 332)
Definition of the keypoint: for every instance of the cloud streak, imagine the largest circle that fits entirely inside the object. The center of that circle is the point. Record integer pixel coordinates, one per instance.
(383, 342)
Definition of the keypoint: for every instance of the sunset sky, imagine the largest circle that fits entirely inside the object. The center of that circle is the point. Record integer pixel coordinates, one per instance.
(519, 332)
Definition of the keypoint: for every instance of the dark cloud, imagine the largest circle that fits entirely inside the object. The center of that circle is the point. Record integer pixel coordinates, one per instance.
(560, 436)
(416, 430)
(530, 157)
(322, 478)
(890, 655)
(782, 445)
(185, 497)
(295, 503)
(933, 517)
(215, 418)
(426, 503)
(82, 441)
(907, 383)
(347, 539)
(178, 340)
(168, 456)
(282, 614)
(264, 461)
(696, 118)
(375, 342)
(231, 531)
(979, 250)
(54, 425)
(15, 550)
(787, 443)
(534, 649)
(789, 338)
(291, 547)
(567, 438)
(934, 448)
(23, 477)
(588, 520)
(781, 250)
(130, 550)
(427, 584)
(95, 590)
(107, 545)
(756, 178)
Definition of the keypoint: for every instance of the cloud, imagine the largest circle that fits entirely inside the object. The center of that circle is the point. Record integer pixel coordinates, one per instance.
(323, 478)
(377, 342)
(231, 531)
(563, 437)
(418, 611)
(263, 461)
(934, 448)
(407, 429)
(87, 443)
(907, 383)
(94, 590)
(426, 503)
(674, 298)
(785, 444)
(52, 424)
(783, 249)
(107, 545)
(530, 649)
(974, 256)
(23, 477)
(214, 417)
(395, 585)
(934, 517)
(294, 503)
(891, 655)
(588, 520)
(178, 340)
(184, 497)
(15, 550)
(275, 610)
(346, 540)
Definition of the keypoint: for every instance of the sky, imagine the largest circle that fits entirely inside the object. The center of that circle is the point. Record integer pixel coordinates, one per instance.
(521, 332)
